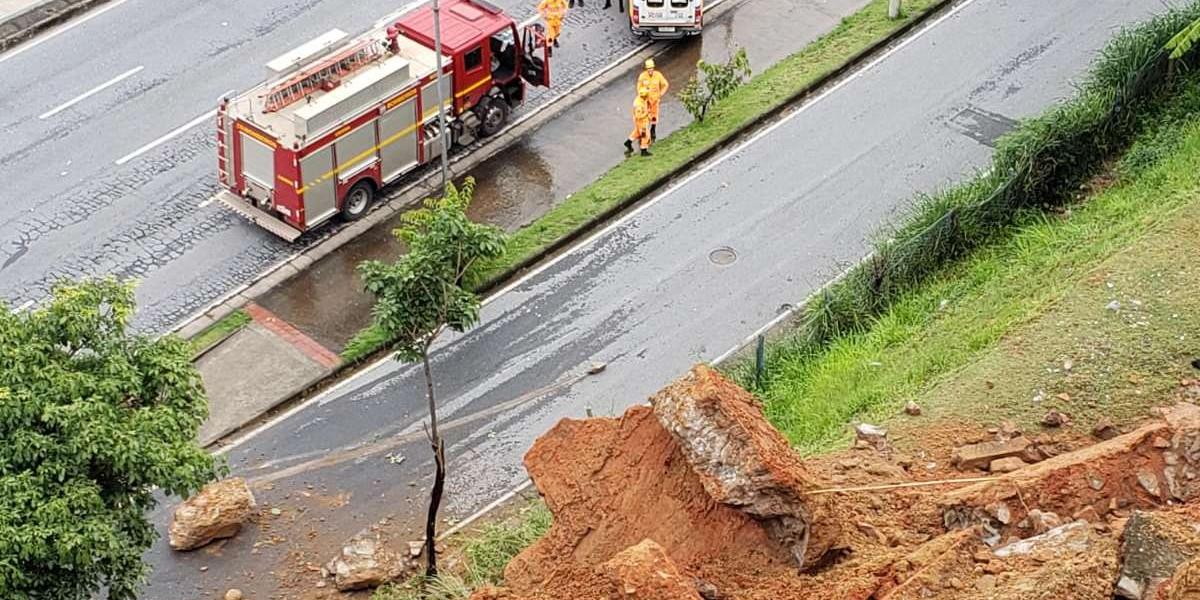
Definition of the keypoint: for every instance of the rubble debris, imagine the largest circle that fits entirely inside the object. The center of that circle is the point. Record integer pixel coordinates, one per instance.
(912, 409)
(234, 594)
(1105, 430)
(645, 572)
(1128, 589)
(1154, 544)
(364, 563)
(973, 456)
(216, 512)
(1054, 419)
(871, 436)
(741, 460)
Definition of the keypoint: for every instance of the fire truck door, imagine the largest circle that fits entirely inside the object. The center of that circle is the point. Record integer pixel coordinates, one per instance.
(320, 194)
(535, 62)
(398, 139)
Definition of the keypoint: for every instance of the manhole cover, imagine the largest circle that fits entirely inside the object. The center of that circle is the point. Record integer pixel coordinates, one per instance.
(723, 255)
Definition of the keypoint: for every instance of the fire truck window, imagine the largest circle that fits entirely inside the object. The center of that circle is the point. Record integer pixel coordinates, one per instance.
(473, 59)
(504, 55)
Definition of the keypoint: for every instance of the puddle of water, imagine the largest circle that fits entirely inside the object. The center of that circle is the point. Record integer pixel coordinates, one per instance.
(327, 301)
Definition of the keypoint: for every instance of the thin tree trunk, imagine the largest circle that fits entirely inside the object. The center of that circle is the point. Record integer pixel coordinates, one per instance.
(439, 480)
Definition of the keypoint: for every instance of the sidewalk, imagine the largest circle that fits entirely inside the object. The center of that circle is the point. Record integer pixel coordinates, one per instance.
(308, 315)
(22, 19)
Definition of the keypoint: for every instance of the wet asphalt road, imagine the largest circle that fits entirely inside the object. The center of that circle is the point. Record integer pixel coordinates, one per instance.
(67, 210)
(652, 294)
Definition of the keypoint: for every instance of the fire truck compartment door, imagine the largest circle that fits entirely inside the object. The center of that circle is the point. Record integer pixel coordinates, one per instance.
(398, 139)
(320, 193)
(535, 65)
(356, 151)
(258, 162)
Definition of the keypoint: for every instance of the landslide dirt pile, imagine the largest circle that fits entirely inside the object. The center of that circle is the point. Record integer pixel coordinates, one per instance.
(698, 497)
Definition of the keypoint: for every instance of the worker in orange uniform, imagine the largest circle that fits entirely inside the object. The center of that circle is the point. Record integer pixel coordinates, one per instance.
(553, 12)
(656, 85)
(641, 123)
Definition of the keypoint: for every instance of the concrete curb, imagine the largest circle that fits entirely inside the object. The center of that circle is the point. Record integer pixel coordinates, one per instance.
(411, 195)
(33, 20)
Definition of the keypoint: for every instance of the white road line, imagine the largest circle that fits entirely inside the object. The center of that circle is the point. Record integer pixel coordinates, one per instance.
(206, 202)
(485, 510)
(699, 170)
(61, 30)
(166, 138)
(91, 92)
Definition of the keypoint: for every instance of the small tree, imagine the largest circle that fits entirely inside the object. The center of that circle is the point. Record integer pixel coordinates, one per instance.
(92, 419)
(717, 83)
(422, 294)
(1181, 43)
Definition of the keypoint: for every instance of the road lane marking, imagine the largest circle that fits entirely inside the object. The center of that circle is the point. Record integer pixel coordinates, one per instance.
(91, 92)
(212, 114)
(37, 41)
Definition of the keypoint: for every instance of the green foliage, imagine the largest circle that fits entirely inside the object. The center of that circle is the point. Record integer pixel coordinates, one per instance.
(92, 419)
(713, 83)
(490, 551)
(218, 331)
(1182, 42)
(423, 292)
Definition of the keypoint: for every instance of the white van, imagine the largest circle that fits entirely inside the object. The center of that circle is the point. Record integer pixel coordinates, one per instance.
(666, 19)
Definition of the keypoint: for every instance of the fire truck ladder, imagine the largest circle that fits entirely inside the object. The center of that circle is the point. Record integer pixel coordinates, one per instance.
(324, 74)
(222, 146)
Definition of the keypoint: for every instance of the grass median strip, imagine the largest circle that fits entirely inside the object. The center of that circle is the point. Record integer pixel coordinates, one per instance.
(218, 331)
(634, 178)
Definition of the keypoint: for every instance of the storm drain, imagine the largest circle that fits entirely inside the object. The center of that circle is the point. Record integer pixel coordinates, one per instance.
(722, 256)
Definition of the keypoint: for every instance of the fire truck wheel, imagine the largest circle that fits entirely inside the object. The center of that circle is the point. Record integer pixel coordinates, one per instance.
(358, 200)
(493, 113)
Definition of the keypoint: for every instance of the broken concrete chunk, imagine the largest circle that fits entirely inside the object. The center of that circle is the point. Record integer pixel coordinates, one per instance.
(974, 456)
(871, 436)
(1155, 544)
(645, 572)
(1105, 430)
(912, 409)
(1128, 589)
(1053, 419)
(1149, 481)
(363, 563)
(217, 512)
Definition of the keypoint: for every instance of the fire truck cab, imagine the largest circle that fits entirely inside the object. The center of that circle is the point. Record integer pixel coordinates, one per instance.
(338, 120)
(666, 19)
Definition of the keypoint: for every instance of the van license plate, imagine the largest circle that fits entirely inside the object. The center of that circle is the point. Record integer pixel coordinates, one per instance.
(667, 29)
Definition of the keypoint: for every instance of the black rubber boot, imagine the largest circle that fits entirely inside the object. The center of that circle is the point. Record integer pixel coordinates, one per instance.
(653, 131)
(646, 152)
(555, 43)
(607, 4)
(629, 145)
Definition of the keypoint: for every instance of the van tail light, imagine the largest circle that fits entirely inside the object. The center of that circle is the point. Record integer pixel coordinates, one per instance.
(699, 15)
(635, 15)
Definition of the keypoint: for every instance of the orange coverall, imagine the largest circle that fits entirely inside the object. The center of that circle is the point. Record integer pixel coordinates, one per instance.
(641, 122)
(553, 12)
(656, 84)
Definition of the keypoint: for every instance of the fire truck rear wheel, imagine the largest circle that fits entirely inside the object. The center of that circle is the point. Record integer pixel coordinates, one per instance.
(358, 200)
(493, 113)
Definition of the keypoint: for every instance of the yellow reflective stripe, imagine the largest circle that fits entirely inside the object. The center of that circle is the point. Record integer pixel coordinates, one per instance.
(354, 161)
(258, 136)
(470, 89)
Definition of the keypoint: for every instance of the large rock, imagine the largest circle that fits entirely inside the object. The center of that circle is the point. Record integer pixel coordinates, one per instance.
(217, 512)
(1155, 544)
(364, 563)
(742, 461)
(974, 456)
(645, 572)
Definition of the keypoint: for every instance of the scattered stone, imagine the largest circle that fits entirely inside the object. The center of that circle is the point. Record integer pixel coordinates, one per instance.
(1114, 306)
(1009, 430)
(1060, 540)
(415, 549)
(872, 435)
(708, 591)
(1033, 454)
(1095, 482)
(216, 512)
(1161, 442)
(234, 594)
(1148, 481)
(1041, 521)
(362, 563)
(955, 583)
(1105, 430)
(597, 368)
(1128, 589)
(973, 456)
(1002, 514)
(912, 409)
(275, 512)
(1053, 419)
(1006, 465)
(986, 583)
(645, 572)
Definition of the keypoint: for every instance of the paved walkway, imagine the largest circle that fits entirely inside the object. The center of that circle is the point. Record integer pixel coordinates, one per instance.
(12, 7)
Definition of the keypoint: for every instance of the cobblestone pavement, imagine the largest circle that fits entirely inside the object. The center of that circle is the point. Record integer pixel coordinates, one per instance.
(68, 211)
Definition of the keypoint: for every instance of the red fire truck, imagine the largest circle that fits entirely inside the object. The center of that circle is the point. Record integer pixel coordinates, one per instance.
(338, 120)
